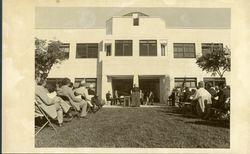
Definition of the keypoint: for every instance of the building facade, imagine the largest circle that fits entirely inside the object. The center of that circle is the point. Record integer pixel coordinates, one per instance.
(136, 48)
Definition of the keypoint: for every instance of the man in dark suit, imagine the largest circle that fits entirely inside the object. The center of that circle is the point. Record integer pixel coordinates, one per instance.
(224, 95)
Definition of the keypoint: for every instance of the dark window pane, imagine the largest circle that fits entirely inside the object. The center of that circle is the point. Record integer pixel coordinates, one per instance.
(148, 48)
(184, 50)
(87, 50)
(189, 82)
(152, 49)
(128, 49)
(136, 22)
(143, 49)
(118, 49)
(207, 48)
(81, 51)
(65, 47)
(123, 48)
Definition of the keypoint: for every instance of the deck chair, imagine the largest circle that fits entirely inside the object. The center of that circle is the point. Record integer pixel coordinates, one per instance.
(66, 98)
(40, 113)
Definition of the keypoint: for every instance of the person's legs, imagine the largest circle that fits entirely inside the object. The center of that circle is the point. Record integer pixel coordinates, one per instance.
(59, 113)
(84, 105)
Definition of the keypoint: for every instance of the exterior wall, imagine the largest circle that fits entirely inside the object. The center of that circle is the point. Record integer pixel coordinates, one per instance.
(73, 67)
(166, 68)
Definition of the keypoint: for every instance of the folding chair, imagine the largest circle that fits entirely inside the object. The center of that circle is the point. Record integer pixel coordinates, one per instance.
(66, 98)
(41, 113)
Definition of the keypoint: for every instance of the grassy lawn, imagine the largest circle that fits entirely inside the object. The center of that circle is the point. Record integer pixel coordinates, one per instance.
(161, 127)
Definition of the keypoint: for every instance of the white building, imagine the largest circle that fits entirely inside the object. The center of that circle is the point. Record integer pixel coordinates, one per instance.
(136, 48)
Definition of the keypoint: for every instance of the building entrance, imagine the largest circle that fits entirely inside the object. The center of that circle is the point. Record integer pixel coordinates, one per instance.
(123, 86)
(147, 85)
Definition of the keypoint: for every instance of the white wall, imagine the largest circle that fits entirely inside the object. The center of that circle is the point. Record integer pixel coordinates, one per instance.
(73, 67)
(123, 29)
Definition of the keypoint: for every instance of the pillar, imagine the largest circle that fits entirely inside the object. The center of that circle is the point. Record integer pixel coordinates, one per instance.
(136, 80)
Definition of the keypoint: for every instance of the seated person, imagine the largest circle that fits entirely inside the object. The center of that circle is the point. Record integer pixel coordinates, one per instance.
(51, 106)
(203, 98)
(82, 91)
(109, 97)
(224, 98)
(78, 103)
(51, 93)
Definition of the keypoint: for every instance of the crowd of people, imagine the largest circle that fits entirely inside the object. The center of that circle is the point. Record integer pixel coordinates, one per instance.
(63, 101)
(137, 97)
(206, 101)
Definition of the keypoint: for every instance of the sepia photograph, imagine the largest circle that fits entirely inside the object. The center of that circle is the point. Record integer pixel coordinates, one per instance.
(134, 76)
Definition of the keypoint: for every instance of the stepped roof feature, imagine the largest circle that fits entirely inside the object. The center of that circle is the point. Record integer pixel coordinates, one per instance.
(139, 14)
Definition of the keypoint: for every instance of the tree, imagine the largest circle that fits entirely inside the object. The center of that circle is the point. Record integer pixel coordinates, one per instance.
(47, 53)
(217, 62)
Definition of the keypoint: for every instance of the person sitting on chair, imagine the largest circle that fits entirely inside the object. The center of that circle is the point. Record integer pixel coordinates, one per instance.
(51, 106)
(204, 100)
(83, 92)
(78, 103)
(109, 98)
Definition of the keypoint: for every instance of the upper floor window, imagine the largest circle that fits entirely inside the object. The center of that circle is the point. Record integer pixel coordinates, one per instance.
(65, 47)
(108, 48)
(207, 48)
(148, 48)
(87, 50)
(163, 48)
(123, 48)
(188, 82)
(136, 21)
(184, 50)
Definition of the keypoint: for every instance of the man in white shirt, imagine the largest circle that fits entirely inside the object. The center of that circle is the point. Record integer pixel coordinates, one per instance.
(204, 99)
(83, 91)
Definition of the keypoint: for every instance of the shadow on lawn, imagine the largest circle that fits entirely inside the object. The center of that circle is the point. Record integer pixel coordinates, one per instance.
(216, 123)
(174, 111)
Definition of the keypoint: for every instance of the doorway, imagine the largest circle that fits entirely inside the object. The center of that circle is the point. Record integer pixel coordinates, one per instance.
(123, 86)
(147, 85)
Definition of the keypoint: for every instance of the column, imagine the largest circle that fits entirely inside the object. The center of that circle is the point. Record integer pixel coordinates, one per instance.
(136, 80)
(72, 53)
(106, 86)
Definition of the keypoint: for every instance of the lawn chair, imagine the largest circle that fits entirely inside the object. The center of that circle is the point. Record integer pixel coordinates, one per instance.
(40, 113)
(66, 98)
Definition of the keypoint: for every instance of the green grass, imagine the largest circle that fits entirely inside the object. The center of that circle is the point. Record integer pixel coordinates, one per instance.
(161, 127)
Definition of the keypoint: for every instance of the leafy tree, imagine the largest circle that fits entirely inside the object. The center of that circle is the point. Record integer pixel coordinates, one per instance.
(47, 53)
(217, 62)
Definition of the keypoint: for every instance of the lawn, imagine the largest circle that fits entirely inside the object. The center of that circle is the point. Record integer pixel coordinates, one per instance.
(159, 127)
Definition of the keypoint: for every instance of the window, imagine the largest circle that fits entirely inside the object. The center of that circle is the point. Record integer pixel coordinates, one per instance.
(189, 82)
(136, 21)
(207, 48)
(108, 49)
(65, 47)
(53, 81)
(92, 81)
(184, 50)
(214, 81)
(84, 50)
(123, 48)
(148, 48)
(163, 46)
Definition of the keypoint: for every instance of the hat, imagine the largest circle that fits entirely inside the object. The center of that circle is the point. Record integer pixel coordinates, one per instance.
(83, 83)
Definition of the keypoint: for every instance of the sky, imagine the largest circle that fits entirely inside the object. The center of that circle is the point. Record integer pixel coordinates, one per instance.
(95, 17)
